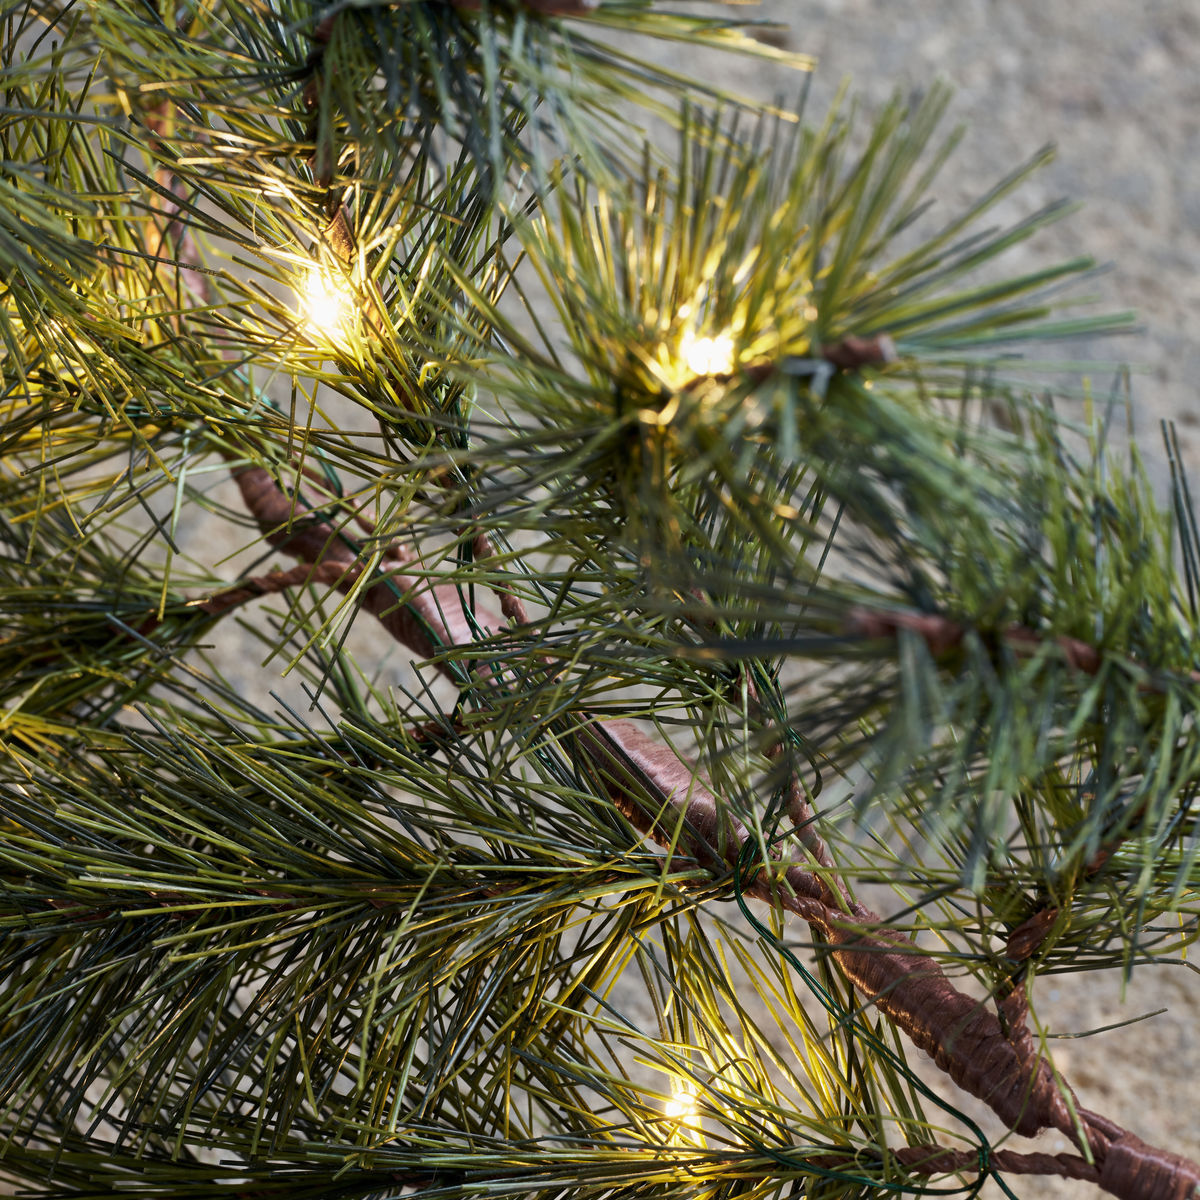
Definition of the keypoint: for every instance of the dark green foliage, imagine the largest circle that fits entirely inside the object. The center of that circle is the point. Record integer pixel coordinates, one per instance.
(390, 930)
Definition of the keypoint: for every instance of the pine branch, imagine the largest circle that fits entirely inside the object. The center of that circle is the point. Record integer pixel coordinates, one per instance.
(391, 944)
(992, 1057)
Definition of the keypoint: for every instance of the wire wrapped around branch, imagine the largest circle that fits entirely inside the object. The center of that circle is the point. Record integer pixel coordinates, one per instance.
(425, 617)
(668, 801)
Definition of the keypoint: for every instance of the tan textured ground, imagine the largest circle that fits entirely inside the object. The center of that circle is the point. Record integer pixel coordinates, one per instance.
(1116, 85)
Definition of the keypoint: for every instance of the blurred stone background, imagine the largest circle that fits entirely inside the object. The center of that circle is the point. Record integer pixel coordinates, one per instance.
(1116, 86)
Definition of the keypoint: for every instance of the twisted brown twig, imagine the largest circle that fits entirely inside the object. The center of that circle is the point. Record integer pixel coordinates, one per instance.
(666, 799)
(419, 614)
(943, 634)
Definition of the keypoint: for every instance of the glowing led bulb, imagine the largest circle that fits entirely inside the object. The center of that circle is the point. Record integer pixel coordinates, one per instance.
(328, 304)
(682, 1105)
(707, 356)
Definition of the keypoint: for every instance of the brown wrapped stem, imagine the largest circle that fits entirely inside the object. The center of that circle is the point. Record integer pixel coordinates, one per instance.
(937, 1160)
(997, 1062)
(943, 634)
(961, 1034)
(423, 616)
(255, 586)
(511, 605)
(661, 796)
(855, 353)
(800, 814)
(1134, 1171)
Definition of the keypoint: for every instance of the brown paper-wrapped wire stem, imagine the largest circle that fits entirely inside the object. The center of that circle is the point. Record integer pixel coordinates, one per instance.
(656, 790)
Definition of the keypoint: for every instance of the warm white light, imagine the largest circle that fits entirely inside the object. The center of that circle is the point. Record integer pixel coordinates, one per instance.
(707, 356)
(682, 1106)
(328, 303)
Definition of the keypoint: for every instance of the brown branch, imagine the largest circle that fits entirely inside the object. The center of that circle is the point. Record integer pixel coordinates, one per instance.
(511, 605)
(803, 819)
(256, 586)
(850, 354)
(421, 615)
(937, 1160)
(855, 353)
(666, 799)
(931, 1159)
(1134, 1171)
(1030, 934)
(943, 635)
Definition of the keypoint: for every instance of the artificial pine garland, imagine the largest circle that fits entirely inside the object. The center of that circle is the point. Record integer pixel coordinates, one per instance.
(743, 571)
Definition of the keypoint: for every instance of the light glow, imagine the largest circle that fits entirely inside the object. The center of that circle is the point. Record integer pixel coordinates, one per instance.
(62, 348)
(707, 356)
(682, 1106)
(327, 304)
